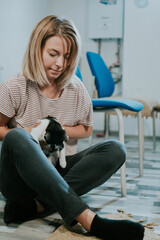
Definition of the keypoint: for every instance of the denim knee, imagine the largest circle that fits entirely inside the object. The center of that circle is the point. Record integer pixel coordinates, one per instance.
(14, 137)
(114, 153)
(118, 151)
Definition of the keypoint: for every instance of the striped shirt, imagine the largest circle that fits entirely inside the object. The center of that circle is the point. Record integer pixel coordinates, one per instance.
(23, 102)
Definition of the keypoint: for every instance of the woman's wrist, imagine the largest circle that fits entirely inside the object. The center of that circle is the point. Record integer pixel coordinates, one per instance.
(78, 131)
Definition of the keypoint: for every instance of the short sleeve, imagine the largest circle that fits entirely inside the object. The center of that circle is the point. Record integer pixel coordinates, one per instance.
(7, 102)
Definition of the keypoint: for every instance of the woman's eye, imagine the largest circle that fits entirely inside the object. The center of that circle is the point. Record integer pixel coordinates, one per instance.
(52, 55)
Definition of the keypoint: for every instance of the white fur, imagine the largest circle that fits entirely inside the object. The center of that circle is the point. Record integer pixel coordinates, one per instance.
(38, 134)
(62, 157)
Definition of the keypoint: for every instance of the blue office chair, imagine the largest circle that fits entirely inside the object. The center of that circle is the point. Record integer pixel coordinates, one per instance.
(110, 105)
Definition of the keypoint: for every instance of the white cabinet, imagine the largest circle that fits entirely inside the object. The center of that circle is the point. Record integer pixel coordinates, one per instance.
(105, 19)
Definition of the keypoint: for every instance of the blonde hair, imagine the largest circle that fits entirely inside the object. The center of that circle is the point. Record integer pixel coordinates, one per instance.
(49, 26)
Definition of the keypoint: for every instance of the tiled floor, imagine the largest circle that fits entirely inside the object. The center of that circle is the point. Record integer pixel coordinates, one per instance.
(143, 194)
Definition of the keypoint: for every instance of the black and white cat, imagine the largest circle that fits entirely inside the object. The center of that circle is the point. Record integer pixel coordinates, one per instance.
(51, 136)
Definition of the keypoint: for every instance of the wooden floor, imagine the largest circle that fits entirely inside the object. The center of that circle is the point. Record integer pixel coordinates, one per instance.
(143, 195)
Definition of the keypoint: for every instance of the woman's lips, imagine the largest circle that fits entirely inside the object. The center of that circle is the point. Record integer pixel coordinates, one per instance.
(55, 71)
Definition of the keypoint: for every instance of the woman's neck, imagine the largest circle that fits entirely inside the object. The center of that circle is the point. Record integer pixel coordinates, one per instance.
(51, 91)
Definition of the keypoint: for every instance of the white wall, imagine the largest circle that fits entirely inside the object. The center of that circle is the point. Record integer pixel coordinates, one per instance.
(17, 19)
(141, 56)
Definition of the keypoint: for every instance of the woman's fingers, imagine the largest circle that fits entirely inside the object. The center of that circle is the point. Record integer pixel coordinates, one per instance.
(29, 129)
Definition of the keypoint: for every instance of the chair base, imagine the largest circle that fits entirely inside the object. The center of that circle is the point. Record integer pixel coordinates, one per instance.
(119, 114)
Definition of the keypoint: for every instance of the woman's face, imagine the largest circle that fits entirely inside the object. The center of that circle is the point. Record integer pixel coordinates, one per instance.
(55, 57)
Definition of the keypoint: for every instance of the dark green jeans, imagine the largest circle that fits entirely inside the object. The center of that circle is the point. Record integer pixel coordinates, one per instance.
(26, 173)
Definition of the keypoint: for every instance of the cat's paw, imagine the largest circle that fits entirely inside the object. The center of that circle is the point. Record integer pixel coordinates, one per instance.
(63, 164)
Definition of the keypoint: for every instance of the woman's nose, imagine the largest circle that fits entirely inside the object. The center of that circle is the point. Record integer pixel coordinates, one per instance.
(60, 61)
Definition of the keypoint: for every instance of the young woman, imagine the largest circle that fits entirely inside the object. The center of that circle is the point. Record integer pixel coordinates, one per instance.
(48, 86)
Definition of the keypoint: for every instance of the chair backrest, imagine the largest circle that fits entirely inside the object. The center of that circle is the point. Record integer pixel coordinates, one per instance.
(104, 81)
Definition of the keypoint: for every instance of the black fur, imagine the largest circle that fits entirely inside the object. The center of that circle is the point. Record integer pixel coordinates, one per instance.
(55, 135)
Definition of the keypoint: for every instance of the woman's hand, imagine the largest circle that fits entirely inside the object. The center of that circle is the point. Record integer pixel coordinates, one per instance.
(29, 129)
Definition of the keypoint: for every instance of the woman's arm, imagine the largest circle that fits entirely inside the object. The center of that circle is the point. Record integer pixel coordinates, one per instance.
(3, 129)
(79, 131)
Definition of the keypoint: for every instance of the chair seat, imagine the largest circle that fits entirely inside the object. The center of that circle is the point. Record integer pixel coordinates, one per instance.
(149, 105)
(128, 104)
